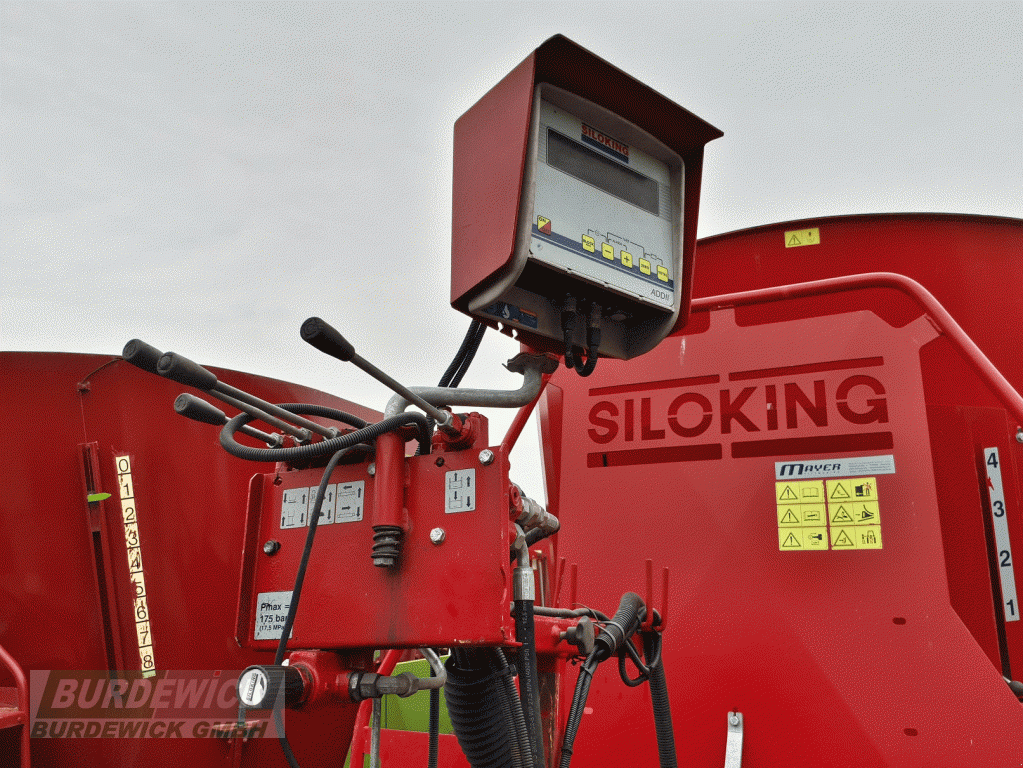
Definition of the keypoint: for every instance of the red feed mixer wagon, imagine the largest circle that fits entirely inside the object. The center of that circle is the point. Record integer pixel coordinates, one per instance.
(783, 486)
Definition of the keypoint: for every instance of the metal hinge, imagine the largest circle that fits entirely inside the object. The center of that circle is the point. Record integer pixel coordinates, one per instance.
(733, 746)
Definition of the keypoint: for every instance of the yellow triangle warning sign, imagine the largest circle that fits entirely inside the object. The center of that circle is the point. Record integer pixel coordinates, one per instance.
(843, 540)
(791, 542)
(788, 517)
(841, 515)
(839, 491)
(793, 241)
(788, 494)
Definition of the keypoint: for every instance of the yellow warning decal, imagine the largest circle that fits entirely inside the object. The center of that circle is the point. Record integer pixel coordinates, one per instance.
(800, 492)
(856, 537)
(802, 538)
(795, 238)
(839, 513)
(801, 514)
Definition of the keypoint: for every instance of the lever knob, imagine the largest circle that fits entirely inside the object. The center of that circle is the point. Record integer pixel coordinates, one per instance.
(325, 338)
(184, 371)
(197, 409)
(142, 355)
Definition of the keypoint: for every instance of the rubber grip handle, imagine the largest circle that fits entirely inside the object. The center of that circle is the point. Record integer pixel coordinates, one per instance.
(184, 371)
(197, 409)
(325, 338)
(142, 355)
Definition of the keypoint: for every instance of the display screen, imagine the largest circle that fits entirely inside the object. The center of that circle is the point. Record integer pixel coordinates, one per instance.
(602, 172)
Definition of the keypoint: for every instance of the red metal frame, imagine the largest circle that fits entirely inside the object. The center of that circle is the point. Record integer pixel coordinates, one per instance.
(18, 717)
(788, 638)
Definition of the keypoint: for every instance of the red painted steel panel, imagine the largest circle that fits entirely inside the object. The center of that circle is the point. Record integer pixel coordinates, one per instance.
(973, 265)
(852, 658)
(191, 505)
(454, 593)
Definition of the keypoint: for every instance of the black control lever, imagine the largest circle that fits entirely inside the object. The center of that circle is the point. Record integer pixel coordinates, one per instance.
(142, 355)
(197, 409)
(320, 334)
(184, 371)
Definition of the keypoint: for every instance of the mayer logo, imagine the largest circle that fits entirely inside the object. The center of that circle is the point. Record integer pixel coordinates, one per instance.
(833, 406)
(605, 143)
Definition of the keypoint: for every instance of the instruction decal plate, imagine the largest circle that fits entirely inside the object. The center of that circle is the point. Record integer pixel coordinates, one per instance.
(841, 512)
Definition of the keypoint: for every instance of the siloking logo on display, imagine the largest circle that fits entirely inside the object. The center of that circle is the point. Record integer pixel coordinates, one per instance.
(102, 704)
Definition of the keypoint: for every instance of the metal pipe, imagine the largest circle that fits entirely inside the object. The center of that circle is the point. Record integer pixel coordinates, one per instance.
(943, 322)
(220, 388)
(532, 367)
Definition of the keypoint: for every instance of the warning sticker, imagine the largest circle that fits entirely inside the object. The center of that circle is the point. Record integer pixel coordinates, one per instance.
(802, 538)
(800, 492)
(543, 224)
(797, 237)
(840, 513)
(856, 537)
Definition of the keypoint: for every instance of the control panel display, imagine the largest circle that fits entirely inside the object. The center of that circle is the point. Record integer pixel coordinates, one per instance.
(603, 209)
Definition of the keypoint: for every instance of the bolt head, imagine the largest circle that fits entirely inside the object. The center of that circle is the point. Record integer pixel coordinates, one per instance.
(1019, 434)
(371, 470)
(437, 536)
(733, 719)
(486, 457)
(271, 547)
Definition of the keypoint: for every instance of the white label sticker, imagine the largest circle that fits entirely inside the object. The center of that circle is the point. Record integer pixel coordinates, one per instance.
(271, 613)
(350, 501)
(1006, 573)
(295, 508)
(460, 490)
(863, 465)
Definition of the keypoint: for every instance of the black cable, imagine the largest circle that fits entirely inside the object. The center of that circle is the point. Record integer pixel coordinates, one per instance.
(296, 593)
(469, 356)
(303, 563)
(298, 452)
(644, 670)
(575, 712)
(463, 358)
(434, 743)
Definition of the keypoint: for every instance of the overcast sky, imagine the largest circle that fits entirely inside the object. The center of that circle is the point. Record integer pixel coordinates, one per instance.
(205, 176)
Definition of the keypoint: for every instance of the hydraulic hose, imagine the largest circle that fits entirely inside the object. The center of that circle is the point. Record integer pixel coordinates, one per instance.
(485, 711)
(334, 444)
(575, 713)
(661, 704)
(623, 625)
(613, 636)
(529, 679)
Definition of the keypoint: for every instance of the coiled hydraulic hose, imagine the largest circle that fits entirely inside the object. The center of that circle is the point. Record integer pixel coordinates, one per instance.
(486, 714)
(366, 433)
(661, 704)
